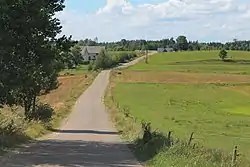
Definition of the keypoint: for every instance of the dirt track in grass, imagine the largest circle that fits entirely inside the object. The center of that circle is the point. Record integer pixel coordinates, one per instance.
(178, 77)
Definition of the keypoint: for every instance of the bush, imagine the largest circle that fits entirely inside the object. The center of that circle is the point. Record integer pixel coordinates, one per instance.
(223, 54)
(90, 66)
(123, 57)
(103, 61)
(11, 124)
(86, 62)
(43, 112)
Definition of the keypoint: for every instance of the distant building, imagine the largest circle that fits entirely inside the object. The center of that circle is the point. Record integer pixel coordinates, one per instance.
(160, 50)
(91, 52)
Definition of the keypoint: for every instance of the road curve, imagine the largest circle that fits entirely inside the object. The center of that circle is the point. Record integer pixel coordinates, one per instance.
(87, 139)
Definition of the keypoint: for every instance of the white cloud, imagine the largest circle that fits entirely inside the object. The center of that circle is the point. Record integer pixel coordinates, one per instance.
(197, 19)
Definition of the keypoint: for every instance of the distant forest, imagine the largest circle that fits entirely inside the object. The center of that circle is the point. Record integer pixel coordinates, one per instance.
(180, 43)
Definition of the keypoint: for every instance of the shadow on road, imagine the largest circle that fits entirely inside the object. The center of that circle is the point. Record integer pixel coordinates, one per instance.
(85, 132)
(59, 153)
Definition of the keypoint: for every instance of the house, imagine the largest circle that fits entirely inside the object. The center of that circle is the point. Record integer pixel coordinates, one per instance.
(169, 49)
(159, 50)
(91, 52)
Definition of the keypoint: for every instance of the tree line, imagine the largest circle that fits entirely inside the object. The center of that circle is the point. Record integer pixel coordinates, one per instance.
(181, 43)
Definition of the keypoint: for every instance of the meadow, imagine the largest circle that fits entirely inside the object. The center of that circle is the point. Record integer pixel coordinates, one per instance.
(198, 62)
(186, 92)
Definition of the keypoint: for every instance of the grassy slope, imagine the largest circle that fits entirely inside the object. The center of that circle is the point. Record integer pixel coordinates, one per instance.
(218, 115)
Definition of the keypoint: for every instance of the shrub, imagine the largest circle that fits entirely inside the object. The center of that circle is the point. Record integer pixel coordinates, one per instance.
(86, 62)
(223, 54)
(90, 66)
(103, 61)
(42, 112)
(11, 124)
(123, 57)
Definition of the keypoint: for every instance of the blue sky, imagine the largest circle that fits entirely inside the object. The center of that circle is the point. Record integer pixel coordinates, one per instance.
(112, 20)
(90, 6)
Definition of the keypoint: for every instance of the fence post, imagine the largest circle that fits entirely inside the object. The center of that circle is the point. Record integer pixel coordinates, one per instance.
(169, 138)
(191, 138)
(235, 155)
(194, 146)
(2, 140)
(146, 57)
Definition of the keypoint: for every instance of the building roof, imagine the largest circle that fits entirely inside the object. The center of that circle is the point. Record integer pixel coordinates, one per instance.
(92, 49)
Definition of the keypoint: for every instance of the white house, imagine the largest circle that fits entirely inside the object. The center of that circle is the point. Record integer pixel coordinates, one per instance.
(91, 52)
(159, 50)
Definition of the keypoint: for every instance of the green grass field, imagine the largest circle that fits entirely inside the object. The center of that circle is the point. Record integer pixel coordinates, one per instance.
(202, 62)
(219, 118)
(218, 114)
(83, 69)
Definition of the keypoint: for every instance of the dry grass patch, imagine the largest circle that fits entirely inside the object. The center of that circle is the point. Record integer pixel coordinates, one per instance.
(245, 89)
(66, 84)
(178, 77)
(63, 98)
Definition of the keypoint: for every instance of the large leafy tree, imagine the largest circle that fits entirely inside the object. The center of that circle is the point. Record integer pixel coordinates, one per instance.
(182, 43)
(28, 50)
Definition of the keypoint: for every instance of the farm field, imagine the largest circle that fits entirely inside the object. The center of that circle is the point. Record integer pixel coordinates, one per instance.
(197, 62)
(187, 92)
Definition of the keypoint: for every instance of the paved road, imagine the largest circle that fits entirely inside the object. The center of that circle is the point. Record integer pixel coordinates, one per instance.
(87, 139)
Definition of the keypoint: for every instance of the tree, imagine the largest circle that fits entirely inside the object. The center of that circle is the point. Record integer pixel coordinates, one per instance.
(223, 54)
(96, 39)
(76, 55)
(29, 50)
(103, 61)
(182, 43)
(65, 57)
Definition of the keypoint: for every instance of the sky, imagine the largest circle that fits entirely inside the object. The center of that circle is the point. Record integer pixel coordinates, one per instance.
(113, 20)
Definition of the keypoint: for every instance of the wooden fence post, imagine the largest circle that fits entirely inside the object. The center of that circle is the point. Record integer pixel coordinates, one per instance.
(235, 155)
(191, 138)
(146, 57)
(2, 140)
(169, 143)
